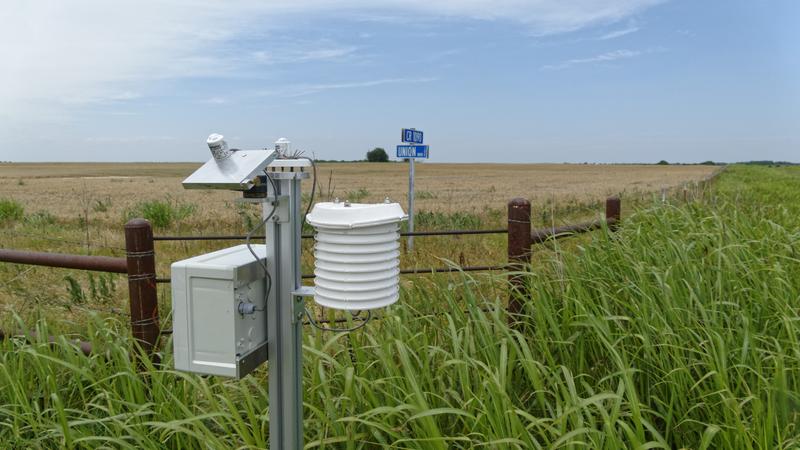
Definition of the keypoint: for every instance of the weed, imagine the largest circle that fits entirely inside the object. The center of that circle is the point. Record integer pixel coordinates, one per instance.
(40, 219)
(101, 205)
(161, 213)
(424, 195)
(434, 220)
(357, 195)
(75, 291)
(102, 287)
(328, 195)
(11, 210)
(250, 217)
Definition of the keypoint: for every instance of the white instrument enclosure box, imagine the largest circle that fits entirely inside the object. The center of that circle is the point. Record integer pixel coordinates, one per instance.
(210, 335)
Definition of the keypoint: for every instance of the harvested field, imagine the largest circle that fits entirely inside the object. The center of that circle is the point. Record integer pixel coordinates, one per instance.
(65, 189)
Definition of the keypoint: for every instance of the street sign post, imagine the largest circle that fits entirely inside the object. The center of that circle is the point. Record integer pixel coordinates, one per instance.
(411, 152)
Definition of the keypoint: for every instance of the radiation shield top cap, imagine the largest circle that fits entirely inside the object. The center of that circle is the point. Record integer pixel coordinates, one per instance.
(344, 215)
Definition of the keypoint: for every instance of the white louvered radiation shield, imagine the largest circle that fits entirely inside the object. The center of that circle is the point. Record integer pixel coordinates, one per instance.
(357, 254)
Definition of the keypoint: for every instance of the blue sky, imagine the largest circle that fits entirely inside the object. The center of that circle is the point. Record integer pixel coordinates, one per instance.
(493, 81)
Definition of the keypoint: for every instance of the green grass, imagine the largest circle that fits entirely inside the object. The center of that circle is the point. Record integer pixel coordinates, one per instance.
(434, 220)
(679, 331)
(357, 195)
(10, 210)
(161, 213)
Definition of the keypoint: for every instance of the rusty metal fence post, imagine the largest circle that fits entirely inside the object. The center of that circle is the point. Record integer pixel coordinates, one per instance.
(613, 212)
(519, 253)
(142, 283)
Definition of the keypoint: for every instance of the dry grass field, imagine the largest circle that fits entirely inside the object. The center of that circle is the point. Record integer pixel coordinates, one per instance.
(81, 208)
(65, 190)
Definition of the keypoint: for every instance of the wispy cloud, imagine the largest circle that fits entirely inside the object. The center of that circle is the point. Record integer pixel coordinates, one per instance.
(618, 33)
(299, 90)
(603, 57)
(128, 139)
(99, 48)
(216, 100)
(440, 55)
(304, 52)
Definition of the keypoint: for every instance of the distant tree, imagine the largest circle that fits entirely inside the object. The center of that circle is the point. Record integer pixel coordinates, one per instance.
(708, 163)
(663, 163)
(377, 155)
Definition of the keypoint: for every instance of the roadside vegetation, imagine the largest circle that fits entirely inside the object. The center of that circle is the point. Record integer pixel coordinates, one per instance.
(680, 330)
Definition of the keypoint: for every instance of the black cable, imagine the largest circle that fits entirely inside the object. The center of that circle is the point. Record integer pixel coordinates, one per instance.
(313, 191)
(314, 324)
(256, 228)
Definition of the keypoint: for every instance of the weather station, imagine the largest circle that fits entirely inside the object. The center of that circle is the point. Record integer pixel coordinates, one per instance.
(239, 307)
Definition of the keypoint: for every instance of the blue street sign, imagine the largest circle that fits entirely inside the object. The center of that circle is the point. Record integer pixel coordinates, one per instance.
(412, 151)
(411, 136)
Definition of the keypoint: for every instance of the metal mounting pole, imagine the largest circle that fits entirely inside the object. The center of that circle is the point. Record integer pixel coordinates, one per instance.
(410, 246)
(284, 314)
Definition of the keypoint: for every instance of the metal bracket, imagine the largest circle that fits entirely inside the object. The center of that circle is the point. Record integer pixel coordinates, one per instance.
(251, 360)
(304, 291)
(298, 299)
(281, 214)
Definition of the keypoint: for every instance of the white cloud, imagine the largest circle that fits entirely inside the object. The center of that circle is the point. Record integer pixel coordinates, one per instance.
(603, 57)
(300, 90)
(618, 33)
(215, 100)
(128, 139)
(92, 50)
(304, 52)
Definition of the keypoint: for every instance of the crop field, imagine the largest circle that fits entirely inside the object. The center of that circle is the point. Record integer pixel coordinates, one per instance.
(81, 208)
(679, 330)
(112, 189)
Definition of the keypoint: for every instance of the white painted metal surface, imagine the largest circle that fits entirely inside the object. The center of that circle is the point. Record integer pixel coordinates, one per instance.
(229, 169)
(210, 334)
(356, 254)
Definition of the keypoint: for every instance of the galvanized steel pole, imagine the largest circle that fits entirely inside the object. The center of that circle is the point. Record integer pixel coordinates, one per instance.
(285, 314)
(410, 245)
